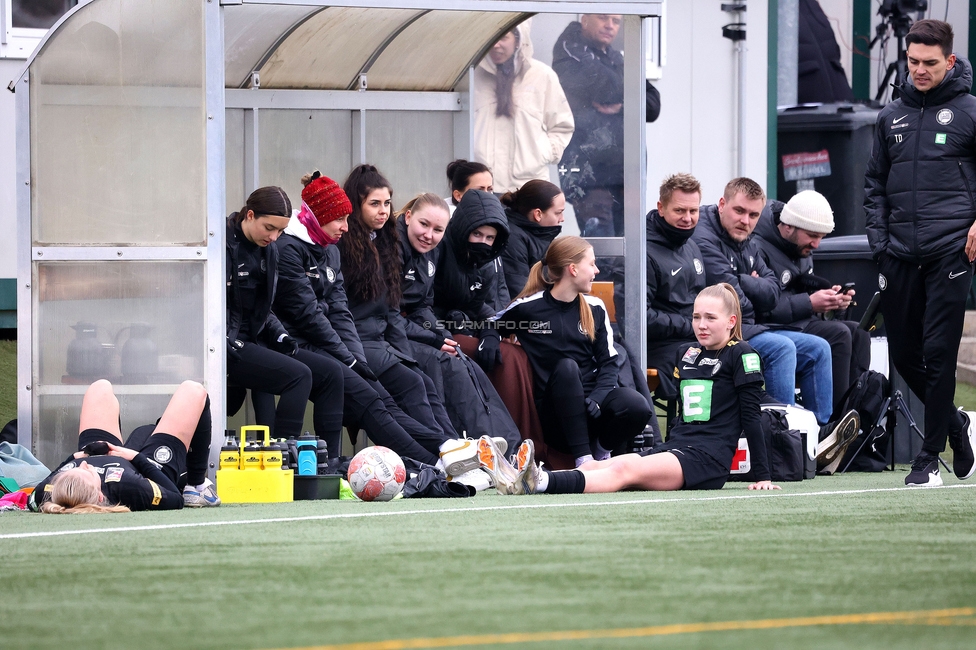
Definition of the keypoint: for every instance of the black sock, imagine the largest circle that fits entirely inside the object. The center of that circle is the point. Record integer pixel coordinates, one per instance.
(566, 482)
(198, 455)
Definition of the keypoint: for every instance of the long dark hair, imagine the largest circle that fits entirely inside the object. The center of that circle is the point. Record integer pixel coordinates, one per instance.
(264, 201)
(460, 171)
(533, 195)
(505, 81)
(371, 266)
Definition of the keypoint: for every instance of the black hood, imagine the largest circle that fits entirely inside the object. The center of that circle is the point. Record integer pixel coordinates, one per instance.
(958, 81)
(476, 209)
(536, 230)
(766, 228)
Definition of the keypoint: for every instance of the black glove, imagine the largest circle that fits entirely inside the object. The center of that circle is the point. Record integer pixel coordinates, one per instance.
(286, 345)
(233, 349)
(363, 370)
(489, 352)
(592, 408)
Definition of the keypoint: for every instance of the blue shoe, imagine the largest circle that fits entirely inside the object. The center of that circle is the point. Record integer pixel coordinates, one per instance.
(201, 496)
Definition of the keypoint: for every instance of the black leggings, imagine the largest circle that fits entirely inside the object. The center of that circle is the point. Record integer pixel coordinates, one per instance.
(306, 376)
(565, 424)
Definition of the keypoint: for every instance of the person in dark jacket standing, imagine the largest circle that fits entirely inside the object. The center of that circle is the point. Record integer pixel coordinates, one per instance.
(261, 355)
(471, 401)
(311, 303)
(730, 254)
(820, 74)
(675, 275)
(787, 235)
(535, 218)
(920, 208)
(592, 167)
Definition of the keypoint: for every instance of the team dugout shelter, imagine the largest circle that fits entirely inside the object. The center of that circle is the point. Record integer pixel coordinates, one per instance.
(142, 125)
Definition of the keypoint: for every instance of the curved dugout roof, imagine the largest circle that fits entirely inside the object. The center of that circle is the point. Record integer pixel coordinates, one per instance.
(416, 48)
(415, 45)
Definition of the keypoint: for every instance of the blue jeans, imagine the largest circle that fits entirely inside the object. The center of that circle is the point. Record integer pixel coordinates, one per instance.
(794, 357)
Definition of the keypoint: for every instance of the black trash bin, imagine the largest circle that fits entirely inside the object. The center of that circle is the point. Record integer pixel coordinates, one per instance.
(848, 259)
(826, 148)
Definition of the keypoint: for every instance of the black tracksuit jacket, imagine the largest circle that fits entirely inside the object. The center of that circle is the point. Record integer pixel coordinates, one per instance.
(792, 306)
(315, 312)
(727, 260)
(417, 285)
(920, 183)
(262, 325)
(527, 245)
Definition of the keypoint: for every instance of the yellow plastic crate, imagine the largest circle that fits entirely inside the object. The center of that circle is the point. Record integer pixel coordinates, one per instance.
(255, 485)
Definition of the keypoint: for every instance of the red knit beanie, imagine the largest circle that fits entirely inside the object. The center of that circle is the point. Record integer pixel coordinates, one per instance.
(325, 199)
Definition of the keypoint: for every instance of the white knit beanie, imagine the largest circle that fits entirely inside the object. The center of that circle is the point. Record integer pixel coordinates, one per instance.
(808, 210)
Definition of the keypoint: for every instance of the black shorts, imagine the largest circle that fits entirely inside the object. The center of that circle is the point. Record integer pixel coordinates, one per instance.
(166, 451)
(701, 471)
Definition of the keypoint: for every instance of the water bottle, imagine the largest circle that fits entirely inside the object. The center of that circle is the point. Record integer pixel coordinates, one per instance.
(322, 458)
(307, 447)
(251, 458)
(230, 453)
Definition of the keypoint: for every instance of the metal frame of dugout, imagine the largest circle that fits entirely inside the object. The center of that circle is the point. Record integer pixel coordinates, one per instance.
(138, 123)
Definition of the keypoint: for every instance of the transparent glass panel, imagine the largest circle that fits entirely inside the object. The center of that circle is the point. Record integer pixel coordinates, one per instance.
(234, 146)
(328, 50)
(118, 133)
(138, 324)
(38, 14)
(250, 31)
(416, 61)
(412, 149)
(293, 143)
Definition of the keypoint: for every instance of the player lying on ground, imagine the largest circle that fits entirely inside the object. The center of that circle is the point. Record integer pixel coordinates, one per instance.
(167, 472)
(720, 382)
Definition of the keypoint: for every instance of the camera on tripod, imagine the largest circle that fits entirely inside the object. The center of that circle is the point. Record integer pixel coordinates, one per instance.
(901, 7)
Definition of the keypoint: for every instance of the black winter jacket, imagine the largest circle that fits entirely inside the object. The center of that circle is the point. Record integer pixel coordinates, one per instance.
(263, 326)
(675, 275)
(311, 298)
(527, 244)
(587, 75)
(476, 291)
(920, 183)
(793, 306)
(417, 285)
(821, 76)
(727, 260)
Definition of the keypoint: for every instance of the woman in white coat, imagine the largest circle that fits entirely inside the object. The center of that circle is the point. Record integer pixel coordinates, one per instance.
(522, 120)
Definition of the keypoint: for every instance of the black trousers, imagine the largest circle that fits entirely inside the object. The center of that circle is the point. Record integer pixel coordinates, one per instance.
(924, 305)
(850, 351)
(367, 405)
(306, 376)
(568, 428)
(414, 392)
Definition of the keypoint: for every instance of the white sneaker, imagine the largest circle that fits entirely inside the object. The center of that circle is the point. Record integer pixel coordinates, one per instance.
(201, 496)
(459, 456)
(476, 478)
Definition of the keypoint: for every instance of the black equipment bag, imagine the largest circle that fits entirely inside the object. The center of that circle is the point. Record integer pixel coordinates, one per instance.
(868, 396)
(784, 448)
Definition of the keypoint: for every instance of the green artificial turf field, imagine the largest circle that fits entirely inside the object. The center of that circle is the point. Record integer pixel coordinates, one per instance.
(855, 561)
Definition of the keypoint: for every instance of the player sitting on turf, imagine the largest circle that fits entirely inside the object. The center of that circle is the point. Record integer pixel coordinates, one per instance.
(168, 471)
(720, 382)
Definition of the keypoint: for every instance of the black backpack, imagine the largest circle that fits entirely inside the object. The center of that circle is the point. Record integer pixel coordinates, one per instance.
(784, 449)
(868, 396)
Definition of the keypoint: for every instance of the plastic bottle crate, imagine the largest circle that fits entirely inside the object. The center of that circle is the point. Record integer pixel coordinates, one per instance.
(255, 485)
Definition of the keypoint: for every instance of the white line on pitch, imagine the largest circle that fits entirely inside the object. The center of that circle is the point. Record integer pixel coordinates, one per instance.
(526, 506)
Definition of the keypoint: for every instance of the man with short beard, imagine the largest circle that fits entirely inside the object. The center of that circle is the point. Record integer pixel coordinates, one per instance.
(787, 235)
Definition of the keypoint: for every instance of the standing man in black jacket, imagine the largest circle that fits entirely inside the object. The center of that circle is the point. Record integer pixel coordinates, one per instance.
(592, 167)
(920, 209)
(787, 235)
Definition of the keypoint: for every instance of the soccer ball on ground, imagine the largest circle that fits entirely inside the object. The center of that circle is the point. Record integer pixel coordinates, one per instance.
(376, 474)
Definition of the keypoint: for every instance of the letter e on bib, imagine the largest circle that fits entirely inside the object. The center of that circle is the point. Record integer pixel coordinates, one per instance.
(751, 363)
(696, 400)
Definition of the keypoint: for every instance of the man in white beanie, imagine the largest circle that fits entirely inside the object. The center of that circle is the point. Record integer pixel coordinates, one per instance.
(787, 235)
